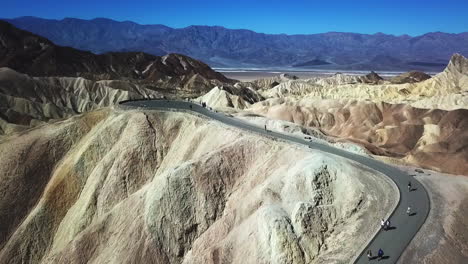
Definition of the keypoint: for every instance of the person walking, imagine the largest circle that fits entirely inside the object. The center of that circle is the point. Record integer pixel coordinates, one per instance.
(387, 224)
(265, 127)
(380, 254)
(369, 254)
(409, 186)
(408, 211)
(382, 224)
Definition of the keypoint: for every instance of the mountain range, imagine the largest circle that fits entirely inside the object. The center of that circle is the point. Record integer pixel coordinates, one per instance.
(37, 56)
(222, 47)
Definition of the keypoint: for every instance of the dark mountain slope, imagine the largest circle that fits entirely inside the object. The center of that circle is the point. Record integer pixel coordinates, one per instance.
(225, 47)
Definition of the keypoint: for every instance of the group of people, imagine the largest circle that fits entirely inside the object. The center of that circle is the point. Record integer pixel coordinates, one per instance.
(203, 104)
(385, 224)
(380, 254)
(410, 188)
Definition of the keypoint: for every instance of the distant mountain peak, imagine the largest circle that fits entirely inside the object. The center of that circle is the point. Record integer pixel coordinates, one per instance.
(103, 19)
(380, 34)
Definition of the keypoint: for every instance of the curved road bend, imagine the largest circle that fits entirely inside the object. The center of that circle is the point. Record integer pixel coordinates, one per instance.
(393, 242)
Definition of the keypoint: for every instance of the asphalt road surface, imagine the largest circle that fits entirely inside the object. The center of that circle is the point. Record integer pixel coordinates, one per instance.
(403, 226)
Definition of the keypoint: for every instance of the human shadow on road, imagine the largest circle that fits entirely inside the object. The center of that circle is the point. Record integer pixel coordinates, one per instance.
(413, 189)
(385, 257)
(391, 228)
(413, 214)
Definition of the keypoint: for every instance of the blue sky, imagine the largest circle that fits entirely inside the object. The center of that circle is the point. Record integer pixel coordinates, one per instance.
(413, 17)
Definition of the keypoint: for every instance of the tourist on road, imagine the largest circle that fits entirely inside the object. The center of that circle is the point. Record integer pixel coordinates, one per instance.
(369, 254)
(409, 186)
(265, 127)
(387, 224)
(382, 224)
(380, 254)
(408, 211)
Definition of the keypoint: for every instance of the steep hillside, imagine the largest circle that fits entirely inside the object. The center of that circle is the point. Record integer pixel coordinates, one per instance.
(220, 46)
(149, 187)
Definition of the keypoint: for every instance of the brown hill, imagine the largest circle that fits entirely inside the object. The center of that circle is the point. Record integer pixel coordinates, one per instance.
(410, 77)
(372, 78)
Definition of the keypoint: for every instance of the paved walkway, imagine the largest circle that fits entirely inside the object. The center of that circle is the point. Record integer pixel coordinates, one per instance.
(393, 242)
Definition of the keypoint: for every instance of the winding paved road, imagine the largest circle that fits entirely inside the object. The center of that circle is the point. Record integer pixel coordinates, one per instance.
(392, 242)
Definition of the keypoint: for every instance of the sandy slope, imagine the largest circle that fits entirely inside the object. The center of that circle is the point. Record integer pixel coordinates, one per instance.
(153, 187)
